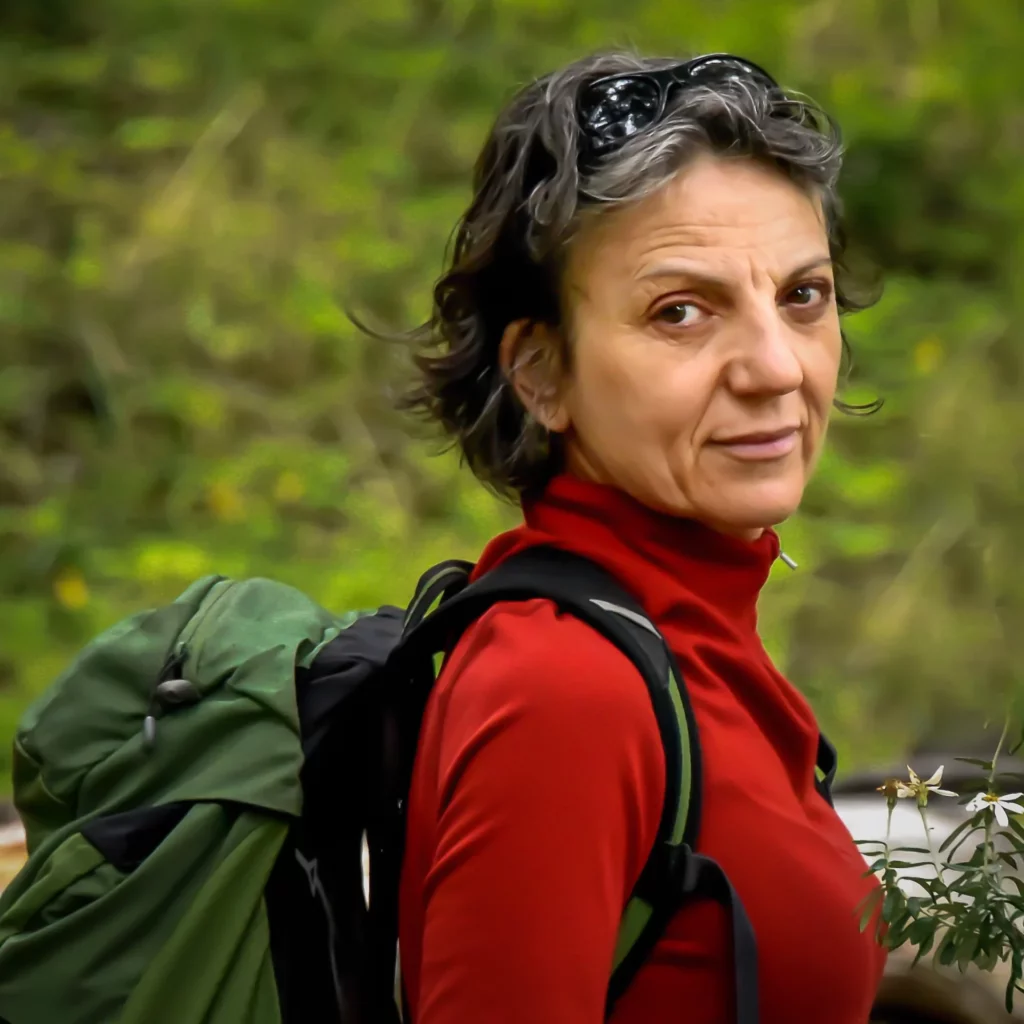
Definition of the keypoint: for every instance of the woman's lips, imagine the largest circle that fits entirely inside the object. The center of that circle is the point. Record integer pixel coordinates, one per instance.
(761, 446)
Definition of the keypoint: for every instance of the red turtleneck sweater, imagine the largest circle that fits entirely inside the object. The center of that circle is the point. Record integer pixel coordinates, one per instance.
(539, 781)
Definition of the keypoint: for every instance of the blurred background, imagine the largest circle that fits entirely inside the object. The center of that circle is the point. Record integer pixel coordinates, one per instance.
(192, 192)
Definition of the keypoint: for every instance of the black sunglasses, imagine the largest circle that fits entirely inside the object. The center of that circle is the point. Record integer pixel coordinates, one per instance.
(617, 107)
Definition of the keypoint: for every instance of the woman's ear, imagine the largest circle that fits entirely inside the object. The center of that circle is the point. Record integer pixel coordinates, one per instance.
(530, 355)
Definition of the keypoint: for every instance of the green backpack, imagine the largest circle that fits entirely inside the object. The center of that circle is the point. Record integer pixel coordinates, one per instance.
(202, 788)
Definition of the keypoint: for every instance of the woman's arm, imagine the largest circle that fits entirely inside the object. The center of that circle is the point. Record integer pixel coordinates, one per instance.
(551, 778)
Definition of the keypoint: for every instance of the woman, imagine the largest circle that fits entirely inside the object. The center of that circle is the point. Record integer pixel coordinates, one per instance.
(638, 336)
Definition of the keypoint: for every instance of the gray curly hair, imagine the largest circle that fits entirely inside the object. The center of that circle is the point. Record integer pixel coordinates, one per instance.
(530, 200)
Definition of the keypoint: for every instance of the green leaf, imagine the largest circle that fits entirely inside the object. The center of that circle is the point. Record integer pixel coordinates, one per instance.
(1018, 744)
(956, 834)
(924, 947)
(900, 930)
(946, 953)
(870, 902)
(1013, 985)
(923, 931)
(1014, 839)
(987, 765)
(930, 884)
(893, 903)
(965, 949)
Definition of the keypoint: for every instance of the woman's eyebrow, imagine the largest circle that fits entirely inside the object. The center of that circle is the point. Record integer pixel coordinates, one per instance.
(697, 274)
(806, 268)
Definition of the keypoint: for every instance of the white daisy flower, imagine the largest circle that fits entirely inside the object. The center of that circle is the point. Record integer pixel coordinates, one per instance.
(999, 805)
(920, 789)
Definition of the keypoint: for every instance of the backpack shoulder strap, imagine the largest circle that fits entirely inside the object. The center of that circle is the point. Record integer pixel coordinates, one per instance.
(672, 872)
(587, 592)
(437, 584)
(827, 763)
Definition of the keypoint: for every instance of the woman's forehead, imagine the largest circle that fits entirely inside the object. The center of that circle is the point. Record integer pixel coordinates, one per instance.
(713, 214)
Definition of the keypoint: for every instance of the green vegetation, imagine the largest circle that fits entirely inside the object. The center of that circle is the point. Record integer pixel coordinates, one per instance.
(192, 192)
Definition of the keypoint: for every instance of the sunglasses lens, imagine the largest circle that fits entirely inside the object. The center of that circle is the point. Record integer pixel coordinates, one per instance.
(616, 109)
(726, 69)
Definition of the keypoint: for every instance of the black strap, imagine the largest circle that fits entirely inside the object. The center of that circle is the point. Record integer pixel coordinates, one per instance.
(589, 593)
(436, 584)
(827, 763)
(705, 877)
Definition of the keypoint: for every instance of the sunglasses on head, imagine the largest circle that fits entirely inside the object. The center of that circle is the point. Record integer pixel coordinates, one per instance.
(615, 108)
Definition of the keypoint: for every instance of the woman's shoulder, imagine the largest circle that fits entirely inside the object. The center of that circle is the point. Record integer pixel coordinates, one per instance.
(530, 656)
(535, 701)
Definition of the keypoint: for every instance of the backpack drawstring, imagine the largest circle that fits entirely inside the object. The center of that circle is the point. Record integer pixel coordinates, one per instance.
(171, 690)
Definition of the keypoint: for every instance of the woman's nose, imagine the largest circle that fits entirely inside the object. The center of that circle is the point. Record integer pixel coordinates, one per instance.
(766, 359)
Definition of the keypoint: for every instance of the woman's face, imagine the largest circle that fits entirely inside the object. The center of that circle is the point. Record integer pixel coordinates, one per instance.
(705, 347)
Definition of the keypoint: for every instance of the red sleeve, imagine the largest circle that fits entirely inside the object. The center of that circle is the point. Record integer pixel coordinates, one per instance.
(551, 780)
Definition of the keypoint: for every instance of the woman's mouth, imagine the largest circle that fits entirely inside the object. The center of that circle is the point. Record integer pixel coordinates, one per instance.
(762, 445)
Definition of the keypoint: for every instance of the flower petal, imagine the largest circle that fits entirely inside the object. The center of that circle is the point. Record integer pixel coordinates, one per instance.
(977, 803)
(1011, 796)
(936, 779)
(1000, 815)
(903, 790)
(942, 792)
(1011, 806)
(914, 778)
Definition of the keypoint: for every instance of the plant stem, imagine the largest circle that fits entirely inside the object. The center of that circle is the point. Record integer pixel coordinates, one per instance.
(987, 856)
(989, 814)
(880, 925)
(999, 748)
(931, 846)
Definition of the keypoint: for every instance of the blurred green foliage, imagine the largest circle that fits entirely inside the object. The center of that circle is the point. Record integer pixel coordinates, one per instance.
(194, 190)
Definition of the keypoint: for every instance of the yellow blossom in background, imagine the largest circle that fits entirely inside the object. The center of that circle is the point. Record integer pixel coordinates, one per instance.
(225, 502)
(290, 488)
(927, 356)
(70, 590)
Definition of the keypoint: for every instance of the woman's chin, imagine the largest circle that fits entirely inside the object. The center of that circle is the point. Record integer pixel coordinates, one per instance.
(749, 510)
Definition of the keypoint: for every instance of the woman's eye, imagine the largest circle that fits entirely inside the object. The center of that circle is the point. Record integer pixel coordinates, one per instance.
(808, 295)
(681, 314)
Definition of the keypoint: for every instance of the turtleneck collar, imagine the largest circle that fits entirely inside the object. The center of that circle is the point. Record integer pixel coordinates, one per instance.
(654, 554)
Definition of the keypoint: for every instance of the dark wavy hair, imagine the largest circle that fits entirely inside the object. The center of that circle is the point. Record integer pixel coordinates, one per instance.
(530, 199)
